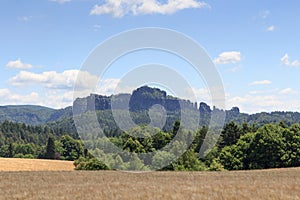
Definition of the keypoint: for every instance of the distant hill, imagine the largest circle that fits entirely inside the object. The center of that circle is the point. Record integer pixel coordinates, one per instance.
(145, 97)
(141, 99)
(139, 103)
(32, 114)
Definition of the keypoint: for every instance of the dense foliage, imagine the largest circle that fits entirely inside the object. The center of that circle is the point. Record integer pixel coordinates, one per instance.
(238, 147)
(32, 115)
(272, 145)
(25, 141)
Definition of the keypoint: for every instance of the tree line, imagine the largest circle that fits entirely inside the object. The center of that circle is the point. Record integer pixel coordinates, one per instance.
(18, 140)
(238, 147)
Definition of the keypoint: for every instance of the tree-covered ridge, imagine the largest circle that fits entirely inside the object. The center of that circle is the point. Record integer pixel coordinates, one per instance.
(139, 103)
(238, 147)
(143, 98)
(26, 141)
(33, 115)
(262, 140)
(140, 100)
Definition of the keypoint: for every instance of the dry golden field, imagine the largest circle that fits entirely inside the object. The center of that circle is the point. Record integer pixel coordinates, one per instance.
(17, 164)
(264, 184)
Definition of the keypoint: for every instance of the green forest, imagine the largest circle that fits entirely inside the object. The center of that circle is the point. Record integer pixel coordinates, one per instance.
(18, 140)
(239, 147)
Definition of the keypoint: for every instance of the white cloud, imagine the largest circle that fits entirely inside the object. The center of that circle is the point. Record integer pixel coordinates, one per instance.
(287, 91)
(285, 60)
(214, 96)
(108, 86)
(51, 99)
(57, 88)
(257, 103)
(228, 57)
(65, 98)
(271, 28)
(263, 82)
(53, 89)
(18, 64)
(197, 94)
(4, 92)
(119, 8)
(55, 80)
(267, 101)
(9, 98)
(61, 1)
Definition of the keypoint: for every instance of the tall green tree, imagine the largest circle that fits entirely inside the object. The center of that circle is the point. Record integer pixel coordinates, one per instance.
(199, 138)
(10, 150)
(230, 135)
(267, 148)
(50, 149)
(176, 127)
(72, 149)
(291, 137)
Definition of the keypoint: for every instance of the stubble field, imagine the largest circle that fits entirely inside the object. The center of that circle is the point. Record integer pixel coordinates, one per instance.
(17, 164)
(41, 184)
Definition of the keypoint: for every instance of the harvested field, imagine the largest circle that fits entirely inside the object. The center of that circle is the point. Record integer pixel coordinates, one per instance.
(264, 184)
(16, 164)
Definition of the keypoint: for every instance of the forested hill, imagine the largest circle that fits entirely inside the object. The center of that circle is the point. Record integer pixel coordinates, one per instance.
(143, 98)
(32, 114)
(266, 140)
(139, 102)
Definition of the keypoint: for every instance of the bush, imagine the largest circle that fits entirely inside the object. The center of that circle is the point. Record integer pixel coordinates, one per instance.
(28, 156)
(216, 166)
(89, 164)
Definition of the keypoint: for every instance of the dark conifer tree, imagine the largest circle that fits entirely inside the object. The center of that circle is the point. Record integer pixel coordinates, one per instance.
(50, 149)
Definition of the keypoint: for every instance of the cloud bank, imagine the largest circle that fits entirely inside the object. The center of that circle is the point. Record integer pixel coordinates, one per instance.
(228, 57)
(120, 8)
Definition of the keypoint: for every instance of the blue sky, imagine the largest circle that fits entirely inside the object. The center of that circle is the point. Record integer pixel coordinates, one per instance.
(255, 46)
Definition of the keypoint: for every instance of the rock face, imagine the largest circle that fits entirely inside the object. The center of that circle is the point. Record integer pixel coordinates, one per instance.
(145, 97)
(139, 102)
(141, 99)
(234, 112)
(205, 113)
(204, 108)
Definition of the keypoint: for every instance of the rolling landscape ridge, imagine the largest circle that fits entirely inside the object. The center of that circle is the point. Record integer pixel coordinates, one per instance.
(143, 99)
(28, 132)
(149, 99)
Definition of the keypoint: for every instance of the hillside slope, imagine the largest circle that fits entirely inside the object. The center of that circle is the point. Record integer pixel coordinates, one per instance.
(139, 103)
(32, 114)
